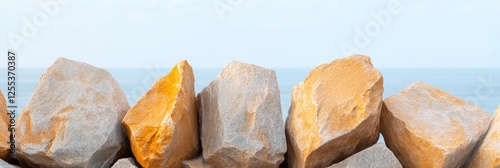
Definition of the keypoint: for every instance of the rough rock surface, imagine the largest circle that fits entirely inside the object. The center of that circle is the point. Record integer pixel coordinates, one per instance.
(335, 112)
(163, 125)
(4, 164)
(241, 120)
(488, 154)
(376, 156)
(73, 118)
(427, 127)
(195, 163)
(126, 163)
(4, 129)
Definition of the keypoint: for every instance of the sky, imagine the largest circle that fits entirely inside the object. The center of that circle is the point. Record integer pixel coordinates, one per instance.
(269, 33)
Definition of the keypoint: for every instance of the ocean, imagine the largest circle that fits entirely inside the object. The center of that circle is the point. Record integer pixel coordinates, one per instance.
(480, 86)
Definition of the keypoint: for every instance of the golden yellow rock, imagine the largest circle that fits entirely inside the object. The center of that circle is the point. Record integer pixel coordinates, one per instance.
(488, 154)
(335, 112)
(427, 127)
(4, 129)
(163, 126)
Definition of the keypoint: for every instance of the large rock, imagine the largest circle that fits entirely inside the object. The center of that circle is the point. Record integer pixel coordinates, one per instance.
(335, 112)
(126, 163)
(163, 125)
(376, 156)
(4, 129)
(427, 127)
(488, 154)
(73, 118)
(241, 120)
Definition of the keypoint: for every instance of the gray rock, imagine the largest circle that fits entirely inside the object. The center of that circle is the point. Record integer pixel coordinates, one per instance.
(73, 118)
(376, 156)
(4, 164)
(126, 163)
(195, 163)
(241, 120)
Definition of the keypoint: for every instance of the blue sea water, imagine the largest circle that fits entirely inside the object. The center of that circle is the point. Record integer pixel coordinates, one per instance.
(480, 86)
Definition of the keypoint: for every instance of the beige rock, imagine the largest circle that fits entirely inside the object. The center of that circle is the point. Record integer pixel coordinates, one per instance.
(195, 163)
(163, 125)
(73, 118)
(427, 127)
(335, 112)
(4, 129)
(376, 156)
(126, 163)
(241, 120)
(488, 154)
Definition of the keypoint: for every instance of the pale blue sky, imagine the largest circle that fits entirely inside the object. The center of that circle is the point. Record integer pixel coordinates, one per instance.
(272, 33)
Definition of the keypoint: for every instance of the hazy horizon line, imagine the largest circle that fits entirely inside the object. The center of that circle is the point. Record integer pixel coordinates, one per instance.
(2, 67)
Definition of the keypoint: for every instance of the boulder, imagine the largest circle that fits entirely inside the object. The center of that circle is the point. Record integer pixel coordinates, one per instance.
(195, 163)
(427, 127)
(335, 112)
(4, 129)
(376, 156)
(488, 154)
(73, 118)
(163, 126)
(241, 120)
(126, 163)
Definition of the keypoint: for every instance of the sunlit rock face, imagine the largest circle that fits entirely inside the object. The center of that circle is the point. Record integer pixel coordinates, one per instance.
(427, 127)
(73, 118)
(335, 112)
(4, 129)
(488, 154)
(163, 125)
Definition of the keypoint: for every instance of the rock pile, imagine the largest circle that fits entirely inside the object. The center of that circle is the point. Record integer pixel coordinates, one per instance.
(78, 116)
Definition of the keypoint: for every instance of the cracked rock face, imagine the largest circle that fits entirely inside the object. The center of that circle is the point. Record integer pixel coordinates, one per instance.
(73, 118)
(4, 129)
(488, 154)
(163, 125)
(241, 120)
(335, 112)
(427, 127)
